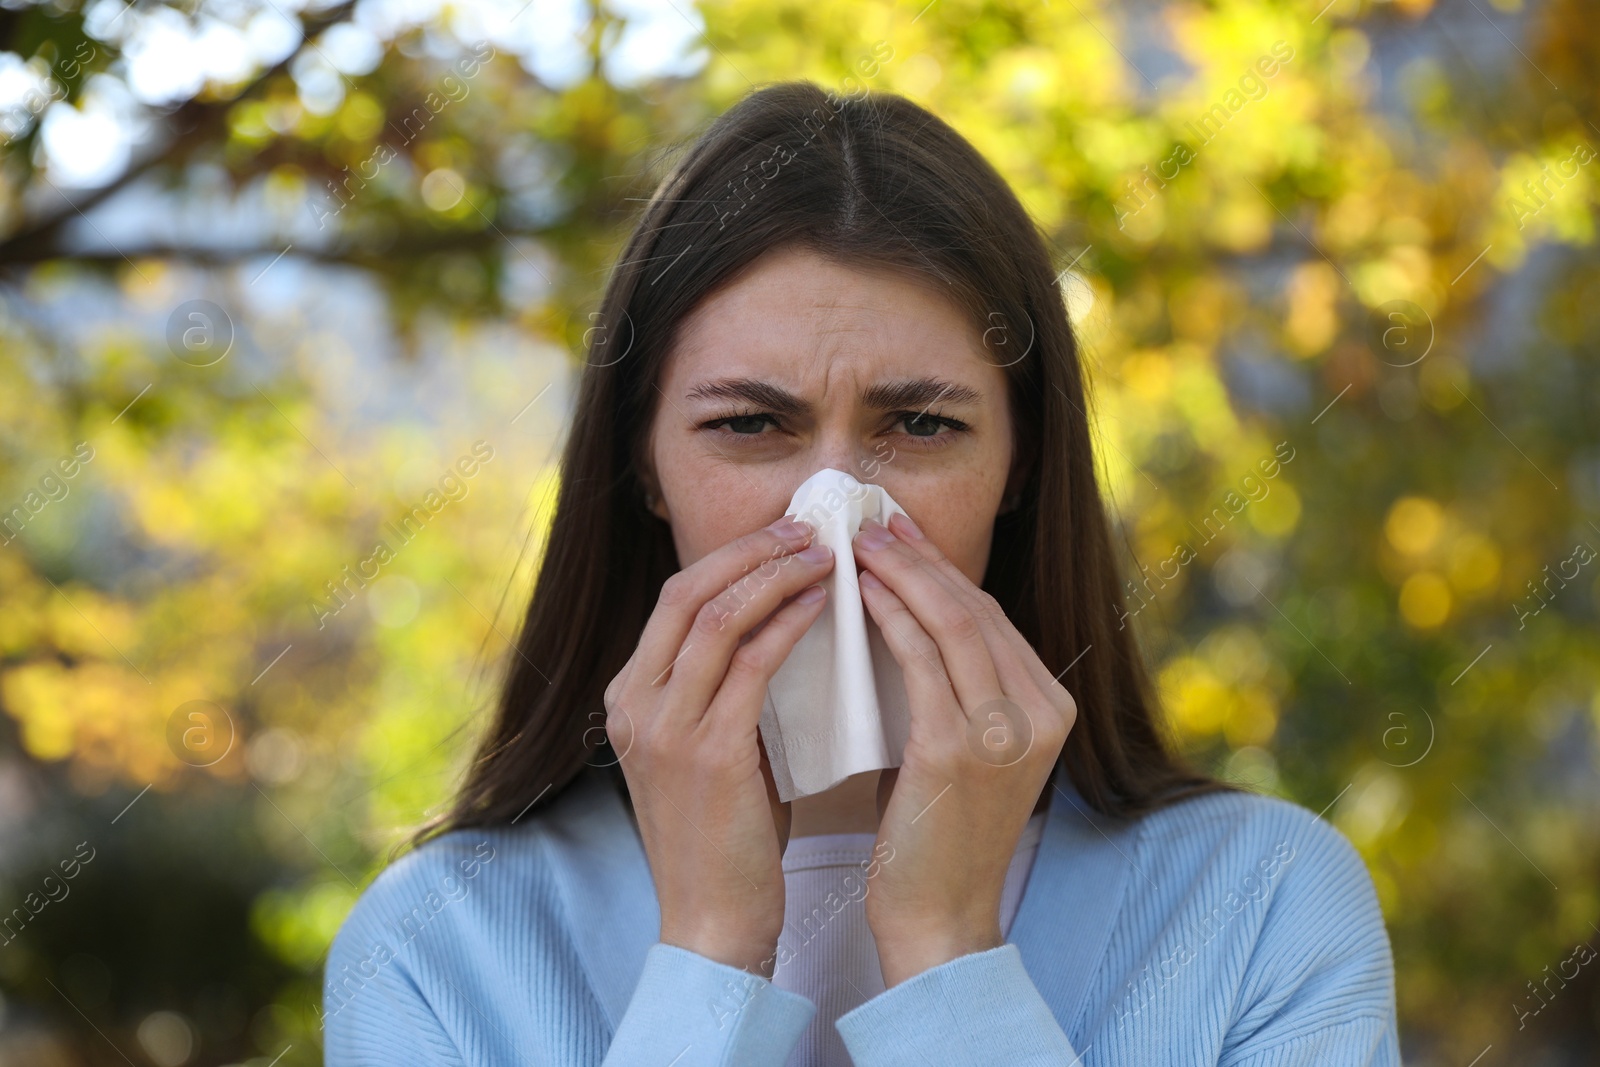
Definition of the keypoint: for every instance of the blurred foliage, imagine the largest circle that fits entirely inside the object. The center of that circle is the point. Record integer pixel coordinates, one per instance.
(1332, 266)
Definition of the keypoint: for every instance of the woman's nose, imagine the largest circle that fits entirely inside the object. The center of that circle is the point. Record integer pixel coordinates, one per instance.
(861, 464)
(846, 451)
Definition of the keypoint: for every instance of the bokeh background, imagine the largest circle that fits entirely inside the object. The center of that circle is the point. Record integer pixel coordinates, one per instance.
(270, 268)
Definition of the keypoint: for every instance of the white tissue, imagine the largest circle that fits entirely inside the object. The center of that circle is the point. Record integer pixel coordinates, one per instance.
(837, 706)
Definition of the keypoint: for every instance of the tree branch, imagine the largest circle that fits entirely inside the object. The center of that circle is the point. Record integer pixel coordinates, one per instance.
(194, 122)
(366, 258)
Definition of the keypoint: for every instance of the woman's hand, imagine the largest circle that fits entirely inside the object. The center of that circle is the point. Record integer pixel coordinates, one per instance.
(988, 722)
(684, 714)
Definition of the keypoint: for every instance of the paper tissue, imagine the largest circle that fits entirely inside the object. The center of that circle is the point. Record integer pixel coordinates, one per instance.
(837, 706)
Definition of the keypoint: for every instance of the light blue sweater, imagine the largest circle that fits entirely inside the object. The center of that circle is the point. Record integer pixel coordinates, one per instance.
(1232, 929)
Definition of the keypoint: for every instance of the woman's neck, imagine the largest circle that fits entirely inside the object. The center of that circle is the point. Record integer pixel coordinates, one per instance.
(851, 807)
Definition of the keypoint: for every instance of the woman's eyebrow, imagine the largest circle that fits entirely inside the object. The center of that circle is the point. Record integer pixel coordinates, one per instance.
(906, 394)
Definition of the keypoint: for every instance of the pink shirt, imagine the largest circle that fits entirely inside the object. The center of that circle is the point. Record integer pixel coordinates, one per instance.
(826, 952)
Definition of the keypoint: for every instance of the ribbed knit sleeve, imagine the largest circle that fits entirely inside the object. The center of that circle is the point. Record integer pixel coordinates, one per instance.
(971, 1011)
(1251, 937)
(374, 1012)
(691, 1011)
(1364, 1041)
(1319, 987)
(459, 955)
(390, 1022)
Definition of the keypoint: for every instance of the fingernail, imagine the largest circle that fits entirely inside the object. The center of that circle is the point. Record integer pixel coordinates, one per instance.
(910, 527)
(812, 595)
(874, 534)
(815, 554)
(790, 530)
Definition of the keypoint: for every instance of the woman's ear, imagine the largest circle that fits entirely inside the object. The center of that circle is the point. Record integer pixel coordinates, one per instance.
(1012, 498)
(650, 490)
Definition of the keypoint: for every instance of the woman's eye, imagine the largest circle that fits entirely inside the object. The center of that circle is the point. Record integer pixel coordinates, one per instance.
(741, 425)
(923, 425)
(917, 424)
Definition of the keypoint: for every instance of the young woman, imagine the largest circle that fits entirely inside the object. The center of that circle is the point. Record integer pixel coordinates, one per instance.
(844, 282)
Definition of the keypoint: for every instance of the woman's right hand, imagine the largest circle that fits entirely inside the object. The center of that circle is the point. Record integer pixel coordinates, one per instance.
(684, 712)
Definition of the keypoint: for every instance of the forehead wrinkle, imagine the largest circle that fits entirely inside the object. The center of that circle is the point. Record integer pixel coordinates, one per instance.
(839, 312)
(804, 338)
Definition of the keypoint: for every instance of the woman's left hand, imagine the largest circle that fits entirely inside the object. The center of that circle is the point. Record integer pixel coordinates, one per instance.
(988, 721)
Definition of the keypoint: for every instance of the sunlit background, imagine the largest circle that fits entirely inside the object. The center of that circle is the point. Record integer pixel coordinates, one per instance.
(274, 276)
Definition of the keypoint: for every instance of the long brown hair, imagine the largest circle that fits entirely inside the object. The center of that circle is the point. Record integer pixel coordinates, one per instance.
(870, 179)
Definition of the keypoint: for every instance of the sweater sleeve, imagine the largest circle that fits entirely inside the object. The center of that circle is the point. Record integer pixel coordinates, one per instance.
(375, 1016)
(974, 1010)
(687, 1010)
(1360, 1041)
(1319, 988)
(691, 1011)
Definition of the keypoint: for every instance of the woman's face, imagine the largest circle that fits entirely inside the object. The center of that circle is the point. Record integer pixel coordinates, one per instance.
(792, 368)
